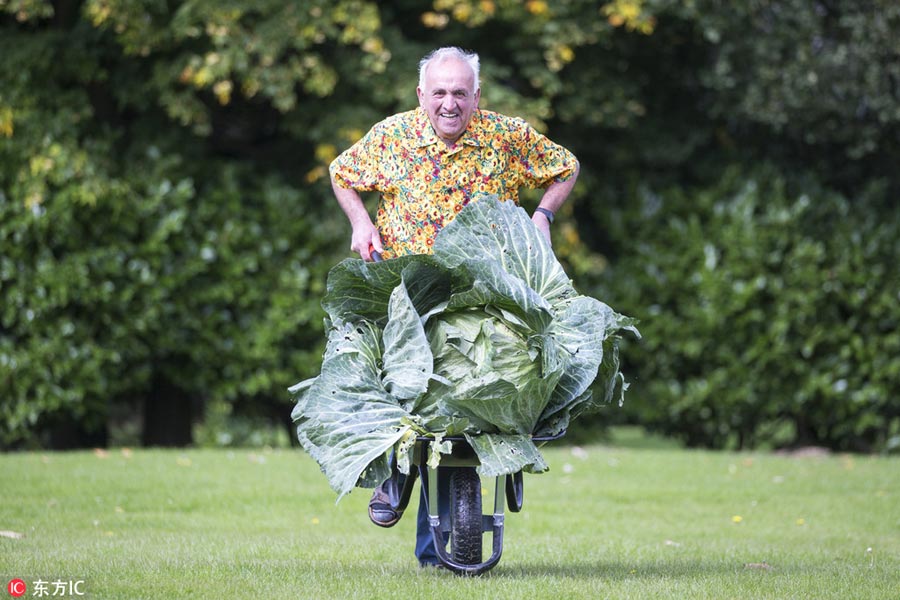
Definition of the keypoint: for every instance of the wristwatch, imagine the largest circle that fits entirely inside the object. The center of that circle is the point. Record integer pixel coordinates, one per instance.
(547, 213)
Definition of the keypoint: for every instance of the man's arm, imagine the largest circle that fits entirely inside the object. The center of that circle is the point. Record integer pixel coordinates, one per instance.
(553, 199)
(364, 234)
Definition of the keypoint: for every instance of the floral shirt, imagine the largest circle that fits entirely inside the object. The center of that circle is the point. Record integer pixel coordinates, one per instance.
(424, 184)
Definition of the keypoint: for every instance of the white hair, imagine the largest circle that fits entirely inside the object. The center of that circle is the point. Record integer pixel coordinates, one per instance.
(447, 53)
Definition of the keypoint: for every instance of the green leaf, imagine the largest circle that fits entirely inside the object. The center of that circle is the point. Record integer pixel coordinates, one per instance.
(407, 357)
(346, 419)
(498, 241)
(505, 454)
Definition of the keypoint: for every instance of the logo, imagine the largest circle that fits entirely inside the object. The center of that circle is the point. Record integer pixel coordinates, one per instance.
(40, 588)
(16, 588)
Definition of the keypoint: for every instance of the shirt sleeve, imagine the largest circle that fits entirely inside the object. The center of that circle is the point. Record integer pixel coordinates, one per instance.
(357, 167)
(542, 160)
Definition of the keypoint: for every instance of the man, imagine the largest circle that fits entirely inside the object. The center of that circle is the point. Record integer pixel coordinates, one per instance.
(430, 162)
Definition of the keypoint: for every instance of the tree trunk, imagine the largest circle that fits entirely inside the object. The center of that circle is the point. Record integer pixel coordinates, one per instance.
(71, 435)
(168, 415)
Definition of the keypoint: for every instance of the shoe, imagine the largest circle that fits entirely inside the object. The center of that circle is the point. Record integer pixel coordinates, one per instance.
(380, 511)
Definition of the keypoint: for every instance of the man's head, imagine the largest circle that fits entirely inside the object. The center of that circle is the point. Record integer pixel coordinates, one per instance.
(449, 91)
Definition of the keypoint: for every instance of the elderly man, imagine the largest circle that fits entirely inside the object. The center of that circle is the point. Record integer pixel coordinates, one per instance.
(430, 162)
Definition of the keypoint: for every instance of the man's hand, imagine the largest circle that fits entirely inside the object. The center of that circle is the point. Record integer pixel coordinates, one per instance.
(365, 239)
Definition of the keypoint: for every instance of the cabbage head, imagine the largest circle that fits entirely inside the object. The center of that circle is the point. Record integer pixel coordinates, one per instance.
(486, 338)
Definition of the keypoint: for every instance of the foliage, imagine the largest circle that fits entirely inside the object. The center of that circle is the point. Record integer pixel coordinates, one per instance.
(158, 280)
(137, 253)
(138, 136)
(819, 74)
(770, 313)
(485, 338)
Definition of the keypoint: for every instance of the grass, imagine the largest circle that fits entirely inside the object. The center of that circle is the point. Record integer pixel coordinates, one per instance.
(605, 522)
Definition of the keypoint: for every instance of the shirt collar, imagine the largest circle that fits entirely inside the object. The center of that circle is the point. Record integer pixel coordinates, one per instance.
(425, 135)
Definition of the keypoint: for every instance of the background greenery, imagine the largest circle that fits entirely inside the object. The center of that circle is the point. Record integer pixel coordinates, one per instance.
(166, 222)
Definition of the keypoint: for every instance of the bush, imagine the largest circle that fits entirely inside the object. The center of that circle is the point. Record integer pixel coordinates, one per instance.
(770, 313)
(159, 247)
(157, 294)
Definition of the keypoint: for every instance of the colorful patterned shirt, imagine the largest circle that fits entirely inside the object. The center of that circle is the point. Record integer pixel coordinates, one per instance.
(424, 184)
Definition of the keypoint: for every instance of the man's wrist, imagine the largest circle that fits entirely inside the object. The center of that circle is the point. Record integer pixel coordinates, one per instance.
(546, 212)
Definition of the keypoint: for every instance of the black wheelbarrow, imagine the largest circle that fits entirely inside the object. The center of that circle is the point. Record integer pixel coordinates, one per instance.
(466, 524)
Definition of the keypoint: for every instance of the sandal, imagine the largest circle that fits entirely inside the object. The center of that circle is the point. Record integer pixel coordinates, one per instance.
(380, 511)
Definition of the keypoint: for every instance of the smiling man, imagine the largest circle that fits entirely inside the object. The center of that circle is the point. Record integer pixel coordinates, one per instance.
(449, 95)
(430, 162)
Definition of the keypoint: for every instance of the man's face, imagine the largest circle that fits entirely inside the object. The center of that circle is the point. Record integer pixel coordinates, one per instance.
(449, 98)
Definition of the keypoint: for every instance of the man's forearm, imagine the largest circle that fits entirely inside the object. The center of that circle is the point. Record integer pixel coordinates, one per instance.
(552, 200)
(557, 192)
(352, 205)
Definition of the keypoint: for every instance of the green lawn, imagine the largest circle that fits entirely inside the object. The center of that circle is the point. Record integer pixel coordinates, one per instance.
(605, 522)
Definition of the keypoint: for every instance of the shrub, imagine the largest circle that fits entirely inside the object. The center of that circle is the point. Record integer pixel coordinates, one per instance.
(770, 313)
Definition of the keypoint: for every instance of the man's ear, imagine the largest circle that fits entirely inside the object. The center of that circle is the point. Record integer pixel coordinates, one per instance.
(419, 96)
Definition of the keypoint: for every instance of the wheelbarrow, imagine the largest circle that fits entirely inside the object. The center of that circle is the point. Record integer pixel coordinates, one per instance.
(466, 524)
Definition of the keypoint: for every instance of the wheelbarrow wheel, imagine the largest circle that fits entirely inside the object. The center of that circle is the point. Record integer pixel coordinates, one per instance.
(465, 516)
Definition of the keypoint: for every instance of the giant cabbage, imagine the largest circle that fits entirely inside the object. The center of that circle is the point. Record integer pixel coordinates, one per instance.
(486, 338)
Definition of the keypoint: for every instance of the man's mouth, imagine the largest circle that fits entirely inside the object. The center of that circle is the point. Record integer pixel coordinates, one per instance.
(448, 115)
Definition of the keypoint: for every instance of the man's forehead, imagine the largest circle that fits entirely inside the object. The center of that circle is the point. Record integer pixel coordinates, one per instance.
(450, 74)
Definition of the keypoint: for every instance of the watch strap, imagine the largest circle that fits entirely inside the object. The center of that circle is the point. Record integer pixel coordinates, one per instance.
(547, 213)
